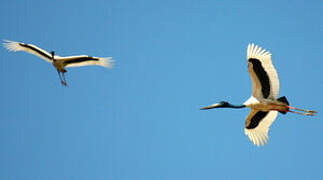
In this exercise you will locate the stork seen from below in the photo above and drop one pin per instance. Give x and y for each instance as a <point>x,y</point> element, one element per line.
<point>264,103</point>
<point>59,62</point>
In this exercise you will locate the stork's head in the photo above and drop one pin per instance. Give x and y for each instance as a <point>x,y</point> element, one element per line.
<point>221,104</point>
<point>52,53</point>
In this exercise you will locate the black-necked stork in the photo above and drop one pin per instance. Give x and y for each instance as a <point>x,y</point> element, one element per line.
<point>263,102</point>
<point>59,62</point>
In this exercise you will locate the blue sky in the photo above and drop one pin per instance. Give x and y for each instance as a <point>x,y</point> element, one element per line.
<point>141,119</point>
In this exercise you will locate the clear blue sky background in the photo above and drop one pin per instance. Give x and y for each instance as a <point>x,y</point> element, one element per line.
<point>141,119</point>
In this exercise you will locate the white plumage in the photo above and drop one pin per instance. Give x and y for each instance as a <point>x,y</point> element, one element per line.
<point>29,48</point>
<point>263,102</point>
<point>259,134</point>
<point>59,62</point>
<point>264,57</point>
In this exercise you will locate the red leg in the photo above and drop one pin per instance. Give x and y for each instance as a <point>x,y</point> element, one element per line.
<point>304,110</point>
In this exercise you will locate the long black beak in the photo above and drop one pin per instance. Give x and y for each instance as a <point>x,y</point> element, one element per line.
<point>209,107</point>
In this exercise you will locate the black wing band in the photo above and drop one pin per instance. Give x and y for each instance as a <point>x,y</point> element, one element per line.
<point>262,76</point>
<point>81,59</point>
<point>256,119</point>
<point>36,50</point>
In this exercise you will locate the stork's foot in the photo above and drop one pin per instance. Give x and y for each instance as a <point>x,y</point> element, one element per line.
<point>302,113</point>
<point>310,114</point>
<point>64,83</point>
<point>310,111</point>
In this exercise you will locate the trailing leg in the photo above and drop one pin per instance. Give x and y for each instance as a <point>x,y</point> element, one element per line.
<point>64,81</point>
<point>304,110</point>
<point>303,113</point>
<point>60,78</point>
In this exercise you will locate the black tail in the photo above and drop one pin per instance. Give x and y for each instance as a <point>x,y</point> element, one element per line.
<point>284,100</point>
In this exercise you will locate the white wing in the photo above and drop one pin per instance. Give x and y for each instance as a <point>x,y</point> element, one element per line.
<point>257,125</point>
<point>264,79</point>
<point>84,60</point>
<point>32,49</point>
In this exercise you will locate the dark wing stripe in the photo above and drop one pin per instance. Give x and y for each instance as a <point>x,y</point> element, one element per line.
<point>256,119</point>
<point>81,59</point>
<point>36,50</point>
<point>262,76</point>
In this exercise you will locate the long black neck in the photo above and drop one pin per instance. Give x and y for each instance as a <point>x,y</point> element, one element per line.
<point>236,106</point>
